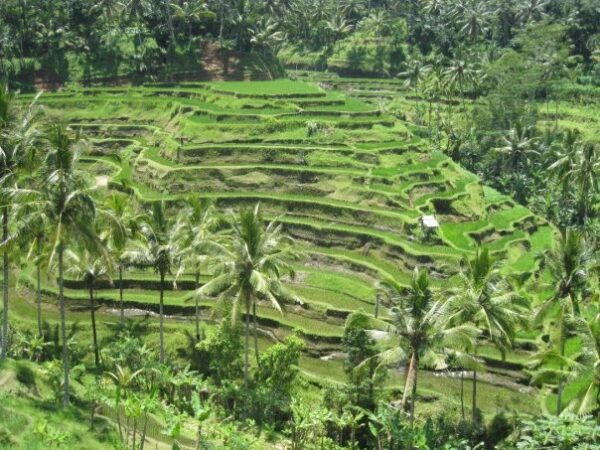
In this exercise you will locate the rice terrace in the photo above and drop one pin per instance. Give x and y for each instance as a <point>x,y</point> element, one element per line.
<point>300,225</point>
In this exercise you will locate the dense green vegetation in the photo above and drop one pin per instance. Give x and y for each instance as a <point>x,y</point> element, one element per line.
<point>217,224</point>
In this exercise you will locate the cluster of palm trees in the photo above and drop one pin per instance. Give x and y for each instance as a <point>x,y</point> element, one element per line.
<point>81,231</point>
<point>444,328</point>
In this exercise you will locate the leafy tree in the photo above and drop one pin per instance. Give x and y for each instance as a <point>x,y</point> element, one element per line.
<point>275,378</point>
<point>358,347</point>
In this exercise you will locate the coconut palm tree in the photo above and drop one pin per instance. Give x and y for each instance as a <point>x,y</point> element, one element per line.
<point>570,265</point>
<point>483,297</point>
<point>123,220</point>
<point>90,269</point>
<point>66,203</point>
<point>415,74</point>
<point>424,328</point>
<point>29,231</point>
<point>518,146</point>
<point>460,73</point>
<point>156,250</point>
<point>17,137</point>
<point>586,174</point>
<point>196,238</point>
<point>252,268</point>
<point>473,17</point>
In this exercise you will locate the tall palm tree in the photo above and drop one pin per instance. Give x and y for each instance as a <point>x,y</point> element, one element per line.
<point>65,200</point>
<point>570,265</point>
<point>422,323</point>
<point>32,230</point>
<point>158,251</point>
<point>17,137</point>
<point>195,235</point>
<point>252,268</point>
<point>484,297</point>
<point>90,269</point>
<point>123,221</point>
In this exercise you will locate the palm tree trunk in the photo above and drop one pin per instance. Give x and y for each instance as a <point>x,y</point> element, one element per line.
<point>414,398</point>
<point>134,431</point>
<point>462,394</point>
<point>247,341</point>
<point>161,318</point>
<point>411,378</point>
<point>143,438</point>
<point>562,354</point>
<point>255,334</point>
<point>63,322</point>
<point>39,286</point>
<point>474,407</point>
<point>5,284</point>
<point>197,312</point>
<point>94,335</point>
<point>121,305</point>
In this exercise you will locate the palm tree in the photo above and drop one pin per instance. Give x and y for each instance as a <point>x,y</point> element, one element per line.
<point>587,368</point>
<point>70,210</point>
<point>30,230</point>
<point>90,269</point>
<point>518,146</point>
<point>564,158</point>
<point>194,233</point>
<point>123,378</point>
<point>17,138</point>
<point>531,10</point>
<point>422,322</point>
<point>252,269</point>
<point>414,74</point>
<point>460,73</point>
<point>483,296</point>
<point>265,36</point>
<point>157,251</point>
<point>570,266</point>
<point>124,222</point>
<point>337,27</point>
<point>586,174</point>
<point>473,17</point>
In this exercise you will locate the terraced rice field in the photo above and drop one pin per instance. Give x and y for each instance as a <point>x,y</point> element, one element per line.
<point>347,180</point>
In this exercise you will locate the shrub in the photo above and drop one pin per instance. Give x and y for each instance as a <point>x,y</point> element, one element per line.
<point>25,374</point>
<point>566,432</point>
<point>312,128</point>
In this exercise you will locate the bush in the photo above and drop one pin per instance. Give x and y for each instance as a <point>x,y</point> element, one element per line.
<point>25,375</point>
<point>566,432</point>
